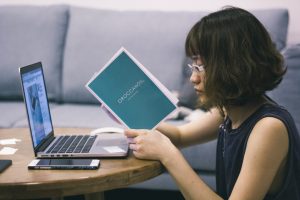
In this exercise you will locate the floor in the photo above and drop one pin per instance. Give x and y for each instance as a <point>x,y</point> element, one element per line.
<point>136,194</point>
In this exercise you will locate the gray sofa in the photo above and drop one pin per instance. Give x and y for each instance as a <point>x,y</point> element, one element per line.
<point>74,42</point>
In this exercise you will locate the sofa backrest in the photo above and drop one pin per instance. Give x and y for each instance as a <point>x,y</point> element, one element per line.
<point>155,38</point>
<point>29,34</point>
<point>276,21</point>
<point>287,93</point>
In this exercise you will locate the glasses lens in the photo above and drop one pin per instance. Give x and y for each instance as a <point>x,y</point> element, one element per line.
<point>195,68</point>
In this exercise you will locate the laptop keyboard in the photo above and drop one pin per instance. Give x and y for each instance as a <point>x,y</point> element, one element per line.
<point>73,144</point>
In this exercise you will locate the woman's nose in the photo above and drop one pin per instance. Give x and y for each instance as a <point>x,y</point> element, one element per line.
<point>195,78</point>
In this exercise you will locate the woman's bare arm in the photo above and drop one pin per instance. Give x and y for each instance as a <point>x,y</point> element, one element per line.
<point>201,130</point>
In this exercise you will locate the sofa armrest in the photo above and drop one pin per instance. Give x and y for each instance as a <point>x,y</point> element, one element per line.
<point>291,54</point>
<point>287,93</point>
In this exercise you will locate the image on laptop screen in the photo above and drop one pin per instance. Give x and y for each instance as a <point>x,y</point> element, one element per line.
<point>37,105</point>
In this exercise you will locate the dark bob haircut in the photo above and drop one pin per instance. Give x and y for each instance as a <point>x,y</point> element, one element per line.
<point>241,62</point>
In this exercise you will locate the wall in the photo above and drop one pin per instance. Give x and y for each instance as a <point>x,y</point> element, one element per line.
<point>291,5</point>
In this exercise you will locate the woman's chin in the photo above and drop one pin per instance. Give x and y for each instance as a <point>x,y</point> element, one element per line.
<point>201,95</point>
<point>202,98</point>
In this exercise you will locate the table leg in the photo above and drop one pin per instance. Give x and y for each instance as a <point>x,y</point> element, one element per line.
<point>94,196</point>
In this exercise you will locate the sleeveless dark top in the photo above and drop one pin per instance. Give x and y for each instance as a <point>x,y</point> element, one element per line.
<point>232,145</point>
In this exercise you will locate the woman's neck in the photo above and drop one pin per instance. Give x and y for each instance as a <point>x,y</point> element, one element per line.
<point>238,114</point>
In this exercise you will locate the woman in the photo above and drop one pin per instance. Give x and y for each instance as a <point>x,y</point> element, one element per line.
<point>234,63</point>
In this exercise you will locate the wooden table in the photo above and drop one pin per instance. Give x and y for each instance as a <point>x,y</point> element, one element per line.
<point>17,182</point>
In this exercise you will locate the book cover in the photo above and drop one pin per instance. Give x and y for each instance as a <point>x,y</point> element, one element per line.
<point>131,93</point>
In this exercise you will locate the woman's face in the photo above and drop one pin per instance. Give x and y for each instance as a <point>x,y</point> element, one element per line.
<point>198,77</point>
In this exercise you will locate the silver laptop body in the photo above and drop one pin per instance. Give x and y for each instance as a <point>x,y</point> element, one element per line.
<point>45,143</point>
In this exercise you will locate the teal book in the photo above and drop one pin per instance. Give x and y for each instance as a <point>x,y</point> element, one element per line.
<point>131,93</point>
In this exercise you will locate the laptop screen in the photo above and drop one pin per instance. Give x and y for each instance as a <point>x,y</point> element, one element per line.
<point>36,104</point>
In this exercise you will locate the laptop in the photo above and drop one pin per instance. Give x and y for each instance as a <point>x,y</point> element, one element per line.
<point>45,143</point>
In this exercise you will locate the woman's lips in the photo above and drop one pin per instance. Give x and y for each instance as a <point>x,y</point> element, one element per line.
<point>198,91</point>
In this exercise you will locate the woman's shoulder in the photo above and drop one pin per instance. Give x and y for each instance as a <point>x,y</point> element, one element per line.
<point>274,110</point>
<point>270,126</point>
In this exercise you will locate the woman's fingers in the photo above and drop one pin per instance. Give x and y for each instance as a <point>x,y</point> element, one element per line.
<point>134,133</point>
<point>133,136</point>
<point>147,146</point>
<point>132,147</point>
<point>137,151</point>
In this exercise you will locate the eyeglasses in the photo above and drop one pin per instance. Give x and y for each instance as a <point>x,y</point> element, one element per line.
<point>196,68</point>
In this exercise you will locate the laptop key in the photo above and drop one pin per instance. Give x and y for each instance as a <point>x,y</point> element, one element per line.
<point>81,144</point>
<point>67,144</point>
<point>74,144</point>
<point>89,144</point>
<point>60,144</point>
<point>53,145</point>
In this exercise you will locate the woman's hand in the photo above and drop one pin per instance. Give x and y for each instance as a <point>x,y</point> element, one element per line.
<point>152,145</point>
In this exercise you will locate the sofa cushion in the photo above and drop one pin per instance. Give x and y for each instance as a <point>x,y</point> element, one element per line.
<point>15,113</point>
<point>287,93</point>
<point>11,113</point>
<point>274,20</point>
<point>77,115</point>
<point>202,156</point>
<point>29,34</point>
<point>156,39</point>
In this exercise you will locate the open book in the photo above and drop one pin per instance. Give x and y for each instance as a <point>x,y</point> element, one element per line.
<point>131,93</point>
